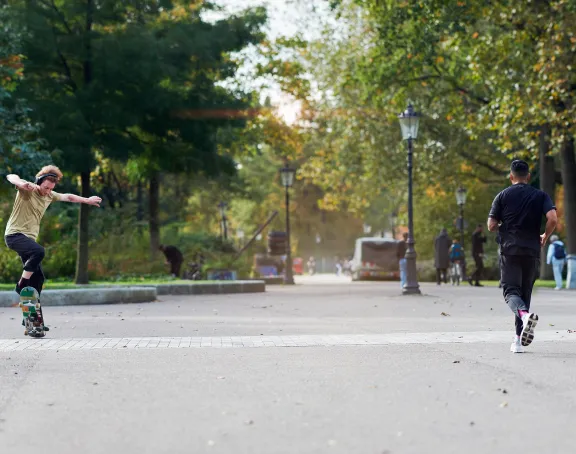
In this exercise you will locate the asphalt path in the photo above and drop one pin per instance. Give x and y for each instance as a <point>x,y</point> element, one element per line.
<point>324,366</point>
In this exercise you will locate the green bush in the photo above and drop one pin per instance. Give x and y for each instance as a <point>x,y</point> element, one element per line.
<point>10,265</point>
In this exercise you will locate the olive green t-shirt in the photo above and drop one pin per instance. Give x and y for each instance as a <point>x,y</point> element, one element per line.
<point>29,208</point>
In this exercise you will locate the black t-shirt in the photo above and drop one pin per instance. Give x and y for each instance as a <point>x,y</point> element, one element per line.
<point>520,208</point>
<point>478,241</point>
<point>401,251</point>
<point>173,254</point>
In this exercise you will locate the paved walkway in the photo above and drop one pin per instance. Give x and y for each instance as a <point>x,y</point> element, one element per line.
<point>491,337</point>
<point>327,366</point>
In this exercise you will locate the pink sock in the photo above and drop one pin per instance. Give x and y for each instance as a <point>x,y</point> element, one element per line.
<point>522,313</point>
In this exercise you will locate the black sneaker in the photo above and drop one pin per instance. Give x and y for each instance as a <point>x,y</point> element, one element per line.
<point>21,284</point>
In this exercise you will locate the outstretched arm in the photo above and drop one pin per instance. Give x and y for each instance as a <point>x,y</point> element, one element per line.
<point>20,183</point>
<point>94,200</point>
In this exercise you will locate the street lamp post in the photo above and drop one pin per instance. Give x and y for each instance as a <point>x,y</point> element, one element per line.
<point>461,201</point>
<point>409,121</point>
<point>287,181</point>
<point>223,226</point>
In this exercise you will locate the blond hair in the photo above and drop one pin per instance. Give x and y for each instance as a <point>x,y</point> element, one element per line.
<point>50,169</point>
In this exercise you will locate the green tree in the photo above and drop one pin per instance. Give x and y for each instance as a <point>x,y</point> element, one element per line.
<point>21,149</point>
<point>134,79</point>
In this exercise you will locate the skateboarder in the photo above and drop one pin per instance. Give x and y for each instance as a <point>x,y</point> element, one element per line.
<point>32,200</point>
<point>517,215</point>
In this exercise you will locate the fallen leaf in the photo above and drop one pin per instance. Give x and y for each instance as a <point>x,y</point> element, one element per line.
<point>455,362</point>
<point>445,314</point>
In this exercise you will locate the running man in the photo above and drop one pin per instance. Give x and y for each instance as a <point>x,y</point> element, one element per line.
<point>32,200</point>
<point>517,214</point>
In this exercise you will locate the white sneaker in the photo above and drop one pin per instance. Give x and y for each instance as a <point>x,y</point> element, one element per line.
<point>516,346</point>
<point>529,321</point>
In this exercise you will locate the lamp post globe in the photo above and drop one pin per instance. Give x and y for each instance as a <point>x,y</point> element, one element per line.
<point>287,173</point>
<point>409,122</point>
<point>461,195</point>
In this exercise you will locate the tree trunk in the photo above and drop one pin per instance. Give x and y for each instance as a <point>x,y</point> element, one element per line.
<point>548,185</point>
<point>139,205</point>
<point>83,236</point>
<point>569,179</point>
<point>154,224</point>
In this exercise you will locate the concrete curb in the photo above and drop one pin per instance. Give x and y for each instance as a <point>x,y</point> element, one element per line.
<point>79,297</point>
<point>212,288</point>
<point>99,294</point>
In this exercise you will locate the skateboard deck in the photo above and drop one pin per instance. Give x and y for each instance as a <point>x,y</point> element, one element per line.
<point>32,312</point>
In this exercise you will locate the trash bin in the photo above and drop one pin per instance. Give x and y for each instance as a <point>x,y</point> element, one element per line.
<point>571,274</point>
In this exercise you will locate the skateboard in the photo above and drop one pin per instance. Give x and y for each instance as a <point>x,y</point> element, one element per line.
<point>32,312</point>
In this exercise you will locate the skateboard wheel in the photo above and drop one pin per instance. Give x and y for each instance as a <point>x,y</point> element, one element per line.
<point>26,333</point>
<point>20,304</point>
<point>37,305</point>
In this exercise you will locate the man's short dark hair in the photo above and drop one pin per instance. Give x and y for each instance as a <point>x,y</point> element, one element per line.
<point>519,168</point>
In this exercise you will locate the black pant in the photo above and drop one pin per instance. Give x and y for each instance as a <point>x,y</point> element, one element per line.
<point>477,275</point>
<point>519,272</point>
<point>175,268</point>
<point>441,275</point>
<point>31,254</point>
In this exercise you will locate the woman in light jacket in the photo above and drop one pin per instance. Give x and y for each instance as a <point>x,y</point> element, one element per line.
<point>557,258</point>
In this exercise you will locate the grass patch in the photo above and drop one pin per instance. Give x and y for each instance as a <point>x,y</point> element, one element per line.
<point>539,283</point>
<point>135,282</point>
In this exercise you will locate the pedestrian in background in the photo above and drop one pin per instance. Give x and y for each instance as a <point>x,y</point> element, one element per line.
<point>557,258</point>
<point>174,258</point>
<point>442,256</point>
<point>401,255</point>
<point>478,240</point>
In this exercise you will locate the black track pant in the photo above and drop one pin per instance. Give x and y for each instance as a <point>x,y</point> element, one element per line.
<point>441,275</point>
<point>519,272</point>
<point>31,254</point>
<point>175,268</point>
<point>477,275</point>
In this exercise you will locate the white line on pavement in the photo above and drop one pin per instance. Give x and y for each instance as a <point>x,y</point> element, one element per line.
<point>328,340</point>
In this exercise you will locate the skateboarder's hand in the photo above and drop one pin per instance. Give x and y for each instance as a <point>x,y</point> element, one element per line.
<point>94,200</point>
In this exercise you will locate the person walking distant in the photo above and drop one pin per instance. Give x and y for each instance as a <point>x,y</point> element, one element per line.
<point>478,240</point>
<point>174,258</point>
<point>516,214</point>
<point>442,256</point>
<point>401,256</point>
<point>557,258</point>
